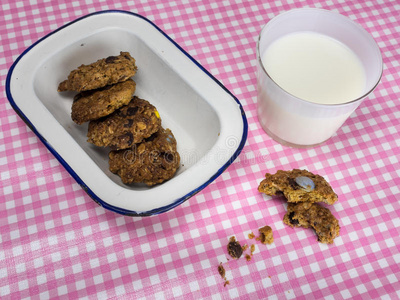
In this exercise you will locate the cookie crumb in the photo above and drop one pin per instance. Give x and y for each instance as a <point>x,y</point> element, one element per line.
<point>266,236</point>
<point>248,257</point>
<point>221,271</point>
<point>234,248</point>
<point>252,249</point>
<point>251,235</point>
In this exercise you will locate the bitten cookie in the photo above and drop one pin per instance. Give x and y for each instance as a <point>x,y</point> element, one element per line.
<point>106,71</point>
<point>298,186</point>
<point>153,161</point>
<point>315,216</point>
<point>95,104</point>
<point>126,126</point>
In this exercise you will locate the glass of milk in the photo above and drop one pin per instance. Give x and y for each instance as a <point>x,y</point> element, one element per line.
<point>314,67</point>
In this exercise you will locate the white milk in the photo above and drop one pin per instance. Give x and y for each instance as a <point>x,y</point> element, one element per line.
<point>315,67</point>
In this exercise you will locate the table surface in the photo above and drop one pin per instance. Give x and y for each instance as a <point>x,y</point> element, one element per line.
<point>55,241</point>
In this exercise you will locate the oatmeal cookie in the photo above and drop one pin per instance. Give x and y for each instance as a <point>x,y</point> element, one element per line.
<point>298,186</point>
<point>153,161</point>
<point>106,71</point>
<point>126,126</point>
<point>315,216</point>
<point>95,104</point>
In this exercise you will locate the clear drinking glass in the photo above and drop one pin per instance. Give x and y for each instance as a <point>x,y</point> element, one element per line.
<point>296,122</point>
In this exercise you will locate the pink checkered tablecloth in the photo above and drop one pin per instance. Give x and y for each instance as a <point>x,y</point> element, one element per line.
<point>55,242</point>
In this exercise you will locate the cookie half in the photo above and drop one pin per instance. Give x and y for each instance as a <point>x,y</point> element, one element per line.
<point>106,71</point>
<point>153,161</point>
<point>126,126</point>
<point>298,186</point>
<point>95,104</point>
<point>313,215</point>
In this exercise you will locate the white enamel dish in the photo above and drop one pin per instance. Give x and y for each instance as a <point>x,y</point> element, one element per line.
<point>208,122</point>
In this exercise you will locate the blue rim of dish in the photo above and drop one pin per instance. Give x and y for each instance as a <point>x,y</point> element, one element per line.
<point>72,172</point>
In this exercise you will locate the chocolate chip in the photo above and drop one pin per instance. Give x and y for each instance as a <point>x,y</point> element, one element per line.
<point>111,59</point>
<point>293,221</point>
<point>129,123</point>
<point>168,157</point>
<point>120,113</point>
<point>128,137</point>
<point>151,138</point>
<point>132,110</point>
<point>221,270</point>
<point>234,249</point>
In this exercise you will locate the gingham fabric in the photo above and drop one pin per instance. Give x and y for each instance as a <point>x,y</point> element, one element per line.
<point>55,242</point>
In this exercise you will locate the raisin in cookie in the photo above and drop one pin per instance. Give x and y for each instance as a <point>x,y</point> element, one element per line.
<point>153,161</point>
<point>106,71</point>
<point>126,126</point>
<point>298,186</point>
<point>95,104</point>
<point>315,216</point>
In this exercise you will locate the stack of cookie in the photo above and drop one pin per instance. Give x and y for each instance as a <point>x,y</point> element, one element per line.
<point>142,150</point>
<point>303,190</point>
